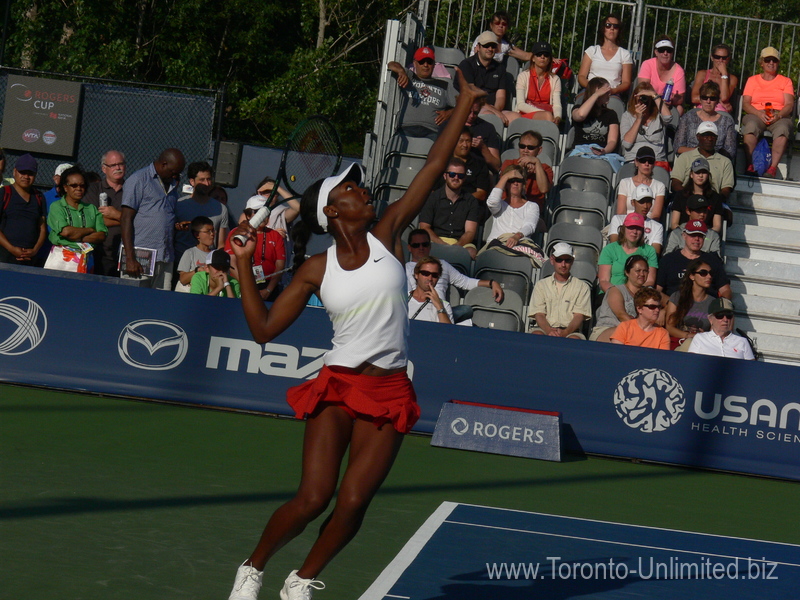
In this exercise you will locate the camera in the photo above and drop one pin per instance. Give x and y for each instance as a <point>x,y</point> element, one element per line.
<point>646,100</point>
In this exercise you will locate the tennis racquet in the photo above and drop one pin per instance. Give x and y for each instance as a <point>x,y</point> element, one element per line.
<point>312,152</point>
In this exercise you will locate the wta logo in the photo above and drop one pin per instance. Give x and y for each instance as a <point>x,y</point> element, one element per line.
<point>23,325</point>
<point>649,400</point>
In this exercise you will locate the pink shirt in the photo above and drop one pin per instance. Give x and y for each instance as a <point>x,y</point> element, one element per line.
<point>649,70</point>
<point>761,91</point>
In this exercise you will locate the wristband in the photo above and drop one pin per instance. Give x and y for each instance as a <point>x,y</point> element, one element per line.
<point>441,311</point>
<point>724,77</point>
<point>226,284</point>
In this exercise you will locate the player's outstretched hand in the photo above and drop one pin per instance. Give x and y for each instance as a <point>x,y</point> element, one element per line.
<point>249,247</point>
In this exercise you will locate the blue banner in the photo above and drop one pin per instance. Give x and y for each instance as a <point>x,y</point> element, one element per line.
<point>85,334</point>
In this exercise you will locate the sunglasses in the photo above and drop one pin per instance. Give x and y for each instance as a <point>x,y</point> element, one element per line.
<point>771,59</point>
<point>516,180</point>
<point>420,245</point>
<point>75,185</point>
<point>528,147</point>
<point>718,57</point>
<point>646,161</point>
<point>542,55</point>
<point>490,45</point>
<point>721,316</point>
<point>652,306</point>
<point>665,50</point>
<point>712,98</point>
<point>564,259</point>
<point>455,175</point>
<point>613,25</point>
<point>429,274</point>
<point>426,61</point>
<point>703,272</point>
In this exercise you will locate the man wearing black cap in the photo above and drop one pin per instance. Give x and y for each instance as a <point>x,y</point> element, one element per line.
<point>672,266</point>
<point>697,207</point>
<point>721,341</point>
<point>216,280</point>
<point>427,101</point>
<point>720,166</point>
<point>23,229</point>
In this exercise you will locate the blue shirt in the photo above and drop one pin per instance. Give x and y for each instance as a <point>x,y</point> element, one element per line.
<point>154,223</point>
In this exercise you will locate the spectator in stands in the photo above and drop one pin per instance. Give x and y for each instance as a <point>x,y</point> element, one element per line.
<point>194,259</point>
<point>721,341</point>
<point>22,216</point>
<point>700,183</point>
<point>424,302</point>
<point>450,215</point>
<point>611,264</point>
<point>687,309</point>
<point>718,74</point>
<point>673,265</point>
<point>219,194</point>
<point>56,192</point>
<point>617,305</point>
<point>216,279</point>
<point>499,24</point>
<point>285,208</point>
<point>643,331</point>
<point>644,162</point>
<point>539,174</point>
<point>419,247</point>
<point>769,87</point>
<point>720,167</point>
<point>148,216</point>
<point>489,75</point>
<point>477,181</point>
<point>596,126</point>
<point>642,202</point>
<point>485,139</point>
<point>113,166</point>
<point>608,59</point>
<point>515,218</point>
<point>201,178</point>
<point>72,221</point>
<point>560,304</point>
<point>269,256</point>
<point>427,101</point>
<point>645,124</point>
<point>538,89</point>
<point>686,136</point>
<point>663,68</point>
<point>697,209</point>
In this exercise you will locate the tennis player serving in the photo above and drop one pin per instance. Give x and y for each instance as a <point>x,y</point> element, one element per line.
<point>362,397</point>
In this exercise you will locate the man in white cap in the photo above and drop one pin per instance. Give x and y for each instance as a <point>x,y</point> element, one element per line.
<point>487,74</point>
<point>642,202</point>
<point>721,341</point>
<point>720,166</point>
<point>767,87</point>
<point>560,304</point>
<point>270,253</point>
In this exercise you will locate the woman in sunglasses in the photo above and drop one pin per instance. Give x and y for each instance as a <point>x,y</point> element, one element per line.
<point>686,136</point>
<point>514,217</point>
<point>662,68</point>
<point>645,124</point>
<point>687,309</point>
<point>538,89</point>
<point>644,161</point>
<point>768,100</point>
<point>719,74</point>
<point>607,59</point>
<point>643,331</point>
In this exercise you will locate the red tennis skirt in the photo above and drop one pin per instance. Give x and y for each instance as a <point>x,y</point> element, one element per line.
<point>381,400</point>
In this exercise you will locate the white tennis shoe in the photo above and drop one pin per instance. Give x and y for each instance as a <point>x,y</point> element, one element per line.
<point>297,588</point>
<point>247,583</point>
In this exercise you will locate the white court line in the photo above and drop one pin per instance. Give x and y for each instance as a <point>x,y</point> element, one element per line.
<point>380,588</point>
<point>725,537</point>
<point>585,539</point>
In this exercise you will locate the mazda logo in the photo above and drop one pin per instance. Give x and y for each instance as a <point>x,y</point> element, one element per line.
<point>23,325</point>
<point>153,345</point>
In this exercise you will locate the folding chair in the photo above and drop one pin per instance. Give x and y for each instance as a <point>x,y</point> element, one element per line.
<point>456,255</point>
<point>586,241</point>
<point>486,313</point>
<point>586,174</point>
<point>511,272</point>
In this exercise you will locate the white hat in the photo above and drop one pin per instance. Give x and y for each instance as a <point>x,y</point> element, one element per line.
<point>664,44</point>
<point>707,127</point>
<point>61,168</point>
<point>643,191</point>
<point>353,172</point>
<point>255,202</point>
<point>562,249</point>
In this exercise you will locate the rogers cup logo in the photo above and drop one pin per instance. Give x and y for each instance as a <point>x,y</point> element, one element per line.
<point>153,345</point>
<point>459,426</point>
<point>649,400</point>
<point>28,325</point>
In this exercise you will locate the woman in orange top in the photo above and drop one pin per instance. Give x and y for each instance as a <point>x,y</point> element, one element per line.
<point>643,331</point>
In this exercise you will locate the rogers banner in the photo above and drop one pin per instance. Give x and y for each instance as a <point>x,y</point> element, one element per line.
<point>74,331</point>
<point>41,115</point>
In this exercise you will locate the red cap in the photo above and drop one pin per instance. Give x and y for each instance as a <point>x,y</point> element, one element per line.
<point>696,227</point>
<point>424,52</point>
<point>634,220</point>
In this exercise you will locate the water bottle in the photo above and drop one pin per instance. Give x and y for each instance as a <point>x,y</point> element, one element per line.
<point>103,199</point>
<point>768,110</point>
<point>667,95</point>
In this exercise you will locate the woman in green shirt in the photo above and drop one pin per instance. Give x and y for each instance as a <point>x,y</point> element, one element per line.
<point>611,264</point>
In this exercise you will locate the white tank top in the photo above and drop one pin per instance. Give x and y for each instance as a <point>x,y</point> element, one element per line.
<point>368,310</point>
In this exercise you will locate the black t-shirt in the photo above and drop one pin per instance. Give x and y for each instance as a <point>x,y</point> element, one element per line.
<point>594,130</point>
<point>489,78</point>
<point>20,221</point>
<point>714,201</point>
<point>673,266</point>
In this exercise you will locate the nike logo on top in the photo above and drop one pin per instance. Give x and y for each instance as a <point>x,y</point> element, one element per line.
<point>377,259</point>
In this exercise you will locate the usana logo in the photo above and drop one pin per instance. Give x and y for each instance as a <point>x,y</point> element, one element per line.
<point>649,400</point>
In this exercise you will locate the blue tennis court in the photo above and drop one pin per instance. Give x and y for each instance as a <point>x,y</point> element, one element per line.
<point>469,552</point>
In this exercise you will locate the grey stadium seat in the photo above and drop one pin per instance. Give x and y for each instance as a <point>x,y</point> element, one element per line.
<point>508,315</point>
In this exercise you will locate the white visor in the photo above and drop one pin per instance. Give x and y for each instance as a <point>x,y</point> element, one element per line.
<point>352,172</point>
